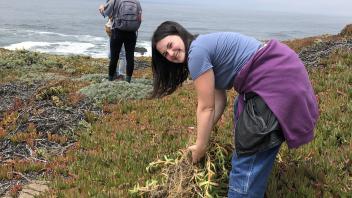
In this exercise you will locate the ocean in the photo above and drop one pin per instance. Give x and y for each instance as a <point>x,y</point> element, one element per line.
<point>75,27</point>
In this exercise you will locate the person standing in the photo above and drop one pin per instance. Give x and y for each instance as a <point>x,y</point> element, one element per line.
<point>121,70</point>
<point>126,17</point>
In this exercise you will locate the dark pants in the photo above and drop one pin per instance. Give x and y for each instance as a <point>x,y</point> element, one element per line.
<point>129,40</point>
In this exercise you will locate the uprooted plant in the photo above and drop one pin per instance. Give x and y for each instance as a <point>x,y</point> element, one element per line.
<point>178,177</point>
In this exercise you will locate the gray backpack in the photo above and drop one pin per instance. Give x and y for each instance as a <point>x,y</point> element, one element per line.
<point>128,18</point>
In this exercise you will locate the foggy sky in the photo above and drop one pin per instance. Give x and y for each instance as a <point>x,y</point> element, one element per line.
<point>323,7</point>
<point>326,7</point>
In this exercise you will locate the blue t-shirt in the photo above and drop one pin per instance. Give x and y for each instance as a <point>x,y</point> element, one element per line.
<point>224,52</point>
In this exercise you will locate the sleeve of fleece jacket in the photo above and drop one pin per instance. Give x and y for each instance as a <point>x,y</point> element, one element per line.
<point>108,11</point>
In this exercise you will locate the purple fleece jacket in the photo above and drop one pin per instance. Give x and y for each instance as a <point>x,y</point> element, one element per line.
<point>277,75</point>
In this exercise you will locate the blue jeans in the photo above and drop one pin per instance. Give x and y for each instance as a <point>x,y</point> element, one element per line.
<point>250,173</point>
<point>122,60</point>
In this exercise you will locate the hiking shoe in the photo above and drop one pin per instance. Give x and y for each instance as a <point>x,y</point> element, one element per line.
<point>128,79</point>
<point>112,78</point>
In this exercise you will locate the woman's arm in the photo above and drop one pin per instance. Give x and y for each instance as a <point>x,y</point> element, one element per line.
<point>207,115</point>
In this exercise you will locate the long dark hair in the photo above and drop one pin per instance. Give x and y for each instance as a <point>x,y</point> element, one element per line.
<point>168,75</point>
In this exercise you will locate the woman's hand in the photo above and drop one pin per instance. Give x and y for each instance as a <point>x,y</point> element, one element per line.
<point>198,152</point>
<point>101,8</point>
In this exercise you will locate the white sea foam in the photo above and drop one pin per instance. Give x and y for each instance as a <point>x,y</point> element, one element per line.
<point>66,44</point>
<point>76,48</point>
<point>26,45</point>
<point>99,55</point>
<point>90,38</point>
<point>55,47</point>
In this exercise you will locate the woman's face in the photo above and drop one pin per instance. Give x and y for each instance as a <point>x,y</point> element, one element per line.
<point>172,48</point>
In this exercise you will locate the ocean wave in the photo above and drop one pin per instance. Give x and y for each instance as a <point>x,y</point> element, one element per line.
<point>99,41</point>
<point>74,48</point>
<point>83,38</point>
<point>69,44</point>
<point>55,47</point>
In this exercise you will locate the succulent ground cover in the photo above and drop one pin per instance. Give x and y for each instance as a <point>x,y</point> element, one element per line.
<point>61,121</point>
<point>46,101</point>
